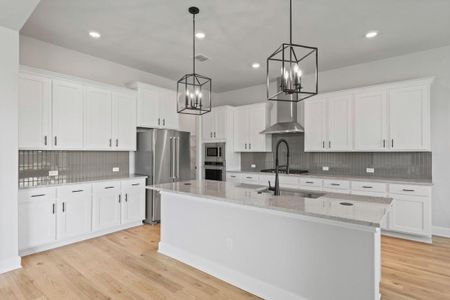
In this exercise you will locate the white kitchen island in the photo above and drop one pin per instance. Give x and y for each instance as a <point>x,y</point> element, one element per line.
<point>284,247</point>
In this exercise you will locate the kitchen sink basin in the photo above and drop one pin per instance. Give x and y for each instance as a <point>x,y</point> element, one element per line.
<point>294,193</point>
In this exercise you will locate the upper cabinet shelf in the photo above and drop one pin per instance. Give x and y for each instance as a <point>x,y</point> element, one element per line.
<point>390,117</point>
<point>57,113</point>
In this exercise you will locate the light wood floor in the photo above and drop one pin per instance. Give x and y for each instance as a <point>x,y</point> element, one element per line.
<point>125,265</point>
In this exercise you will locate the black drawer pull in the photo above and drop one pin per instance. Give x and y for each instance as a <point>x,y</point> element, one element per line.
<point>108,187</point>
<point>38,195</point>
<point>367,186</point>
<point>249,177</point>
<point>407,190</point>
<point>77,191</point>
<point>335,184</point>
<point>232,176</point>
<point>135,184</point>
<point>310,182</point>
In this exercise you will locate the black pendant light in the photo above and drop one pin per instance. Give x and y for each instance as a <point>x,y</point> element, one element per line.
<point>194,90</point>
<point>294,61</point>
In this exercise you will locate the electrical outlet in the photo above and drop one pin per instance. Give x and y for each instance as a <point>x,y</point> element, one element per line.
<point>229,243</point>
<point>53,173</point>
<point>325,168</point>
<point>253,166</point>
<point>116,169</point>
<point>370,170</point>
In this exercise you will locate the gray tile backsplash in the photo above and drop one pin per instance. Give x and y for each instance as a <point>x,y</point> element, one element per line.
<point>406,165</point>
<point>72,166</point>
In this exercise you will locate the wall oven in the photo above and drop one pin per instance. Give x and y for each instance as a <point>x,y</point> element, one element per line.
<point>214,162</point>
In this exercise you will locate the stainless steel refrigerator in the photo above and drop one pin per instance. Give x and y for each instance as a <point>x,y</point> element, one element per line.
<point>164,156</point>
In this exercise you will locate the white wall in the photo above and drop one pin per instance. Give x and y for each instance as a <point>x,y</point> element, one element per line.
<point>9,62</point>
<point>434,62</point>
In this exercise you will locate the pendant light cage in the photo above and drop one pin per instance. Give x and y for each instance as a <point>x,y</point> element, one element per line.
<point>292,71</point>
<point>194,90</point>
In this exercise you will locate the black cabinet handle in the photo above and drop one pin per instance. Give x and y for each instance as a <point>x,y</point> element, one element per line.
<point>367,187</point>
<point>117,142</point>
<point>335,184</point>
<point>310,182</point>
<point>108,187</point>
<point>384,143</point>
<point>38,195</point>
<point>64,207</point>
<point>77,191</point>
<point>323,144</point>
<point>110,142</point>
<point>120,198</point>
<point>249,177</point>
<point>392,143</point>
<point>56,141</point>
<point>45,140</point>
<point>135,184</point>
<point>53,208</point>
<point>126,197</point>
<point>408,190</point>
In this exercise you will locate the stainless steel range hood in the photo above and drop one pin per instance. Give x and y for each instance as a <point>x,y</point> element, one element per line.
<point>286,119</point>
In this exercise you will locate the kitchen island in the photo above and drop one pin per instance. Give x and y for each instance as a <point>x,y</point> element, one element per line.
<point>299,245</point>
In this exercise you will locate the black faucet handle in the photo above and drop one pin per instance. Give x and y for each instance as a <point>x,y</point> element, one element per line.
<point>270,187</point>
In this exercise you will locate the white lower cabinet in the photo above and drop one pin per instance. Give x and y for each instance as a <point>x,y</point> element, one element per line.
<point>55,216</point>
<point>37,217</point>
<point>74,210</point>
<point>234,177</point>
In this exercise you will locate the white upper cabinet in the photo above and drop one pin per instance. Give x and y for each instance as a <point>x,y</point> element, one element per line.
<point>339,125</point>
<point>124,121</point>
<point>156,107</point>
<point>388,117</point>
<point>249,121</point>
<point>409,118</point>
<point>214,124</point>
<point>98,119</point>
<point>67,115</point>
<point>370,121</point>
<point>35,100</point>
<point>315,117</point>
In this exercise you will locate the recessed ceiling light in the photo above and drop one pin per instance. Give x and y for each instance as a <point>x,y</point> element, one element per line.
<point>95,34</point>
<point>200,35</point>
<point>371,34</point>
<point>255,65</point>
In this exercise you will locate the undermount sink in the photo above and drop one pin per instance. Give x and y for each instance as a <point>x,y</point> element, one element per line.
<point>295,193</point>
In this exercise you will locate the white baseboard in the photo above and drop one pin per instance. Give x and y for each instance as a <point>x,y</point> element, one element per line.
<point>25,252</point>
<point>10,264</point>
<point>411,237</point>
<point>441,231</point>
<point>240,280</point>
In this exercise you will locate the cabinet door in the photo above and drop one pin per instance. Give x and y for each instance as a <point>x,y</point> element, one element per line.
<point>124,122</point>
<point>168,109</point>
<point>339,123</point>
<point>410,214</point>
<point>98,119</point>
<point>208,122</point>
<point>409,114</point>
<point>148,106</point>
<point>315,115</point>
<point>258,142</point>
<point>37,219</point>
<point>370,121</point>
<point>133,206</point>
<point>34,112</point>
<point>67,115</point>
<point>241,130</point>
<point>74,210</point>
<point>106,205</point>
<point>220,123</point>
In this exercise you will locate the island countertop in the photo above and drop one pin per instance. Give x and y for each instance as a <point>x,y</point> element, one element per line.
<point>354,209</point>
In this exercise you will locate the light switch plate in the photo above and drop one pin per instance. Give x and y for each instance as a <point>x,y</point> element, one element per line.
<point>370,170</point>
<point>253,166</point>
<point>53,173</point>
<point>116,169</point>
<point>325,168</point>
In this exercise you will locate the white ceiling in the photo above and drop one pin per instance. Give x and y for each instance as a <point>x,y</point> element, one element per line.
<point>155,35</point>
<point>13,14</point>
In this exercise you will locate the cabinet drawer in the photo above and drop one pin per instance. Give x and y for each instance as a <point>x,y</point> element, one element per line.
<point>336,184</point>
<point>133,183</point>
<point>101,186</point>
<point>366,186</point>
<point>68,190</point>
<point>234,176</point>
<point>412,190</point>
<point>289,181</point>
<point>311,182</point>
<point>37,193</point>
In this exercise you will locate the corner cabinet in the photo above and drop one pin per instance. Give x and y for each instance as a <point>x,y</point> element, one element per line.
<point>156,107</point>
<point>249,121</point>
<point>214,124</point>
<point>61,114</point>
<point>388,117</point>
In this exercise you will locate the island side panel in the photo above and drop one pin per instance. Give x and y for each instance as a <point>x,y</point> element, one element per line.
<point>271,254</point>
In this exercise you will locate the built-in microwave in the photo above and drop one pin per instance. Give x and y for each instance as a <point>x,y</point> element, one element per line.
<point>214,151</point>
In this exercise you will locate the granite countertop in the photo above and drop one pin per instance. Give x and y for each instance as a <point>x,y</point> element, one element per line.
<point>363,210</point>
<point>129,177</point>
<point>425,182</point>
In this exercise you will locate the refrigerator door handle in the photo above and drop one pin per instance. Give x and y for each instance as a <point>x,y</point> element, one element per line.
<point>171,157</point>
<point>178,157</point>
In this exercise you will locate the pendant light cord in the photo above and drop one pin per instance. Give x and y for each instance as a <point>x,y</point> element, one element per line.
<point>193,42</point>
<point>290,22</point>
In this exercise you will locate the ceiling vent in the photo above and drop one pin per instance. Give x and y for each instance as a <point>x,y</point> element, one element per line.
<point>201,57</point>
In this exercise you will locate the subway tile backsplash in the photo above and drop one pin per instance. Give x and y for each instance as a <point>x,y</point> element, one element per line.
<point>72,166</point>
<point>405,165</point>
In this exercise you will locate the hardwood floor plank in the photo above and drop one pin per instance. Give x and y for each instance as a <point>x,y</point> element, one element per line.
<point>126,265</point>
